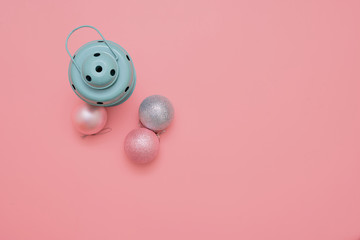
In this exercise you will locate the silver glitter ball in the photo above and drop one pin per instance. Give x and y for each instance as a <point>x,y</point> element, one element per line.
<point>156,113</point>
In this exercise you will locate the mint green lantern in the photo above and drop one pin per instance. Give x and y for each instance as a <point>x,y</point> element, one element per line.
<point>101,72</point>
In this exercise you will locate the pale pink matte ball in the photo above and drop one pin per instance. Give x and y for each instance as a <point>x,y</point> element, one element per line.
<point>141,145</point>
<point>88,119</point>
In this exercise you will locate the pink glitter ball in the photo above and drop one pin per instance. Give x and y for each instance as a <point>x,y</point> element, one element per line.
<point>141,145</point>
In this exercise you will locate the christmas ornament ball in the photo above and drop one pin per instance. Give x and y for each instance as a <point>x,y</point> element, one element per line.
<point>156,113</point>
<point>141,145</point>
<point>88,119</point>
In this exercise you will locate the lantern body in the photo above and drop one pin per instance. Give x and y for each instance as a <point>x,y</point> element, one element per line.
<point>101,74</point>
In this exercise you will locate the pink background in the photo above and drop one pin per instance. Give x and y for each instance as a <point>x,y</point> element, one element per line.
<point>265,142</point>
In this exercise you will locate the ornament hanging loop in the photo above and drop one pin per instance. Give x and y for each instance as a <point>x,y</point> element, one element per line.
<point>103,131</point>
<point>87,26</point>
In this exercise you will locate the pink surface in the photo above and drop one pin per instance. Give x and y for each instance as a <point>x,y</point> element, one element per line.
<point>265,142</point>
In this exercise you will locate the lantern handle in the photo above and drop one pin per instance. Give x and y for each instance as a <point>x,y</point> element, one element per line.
<point>83,26</point>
